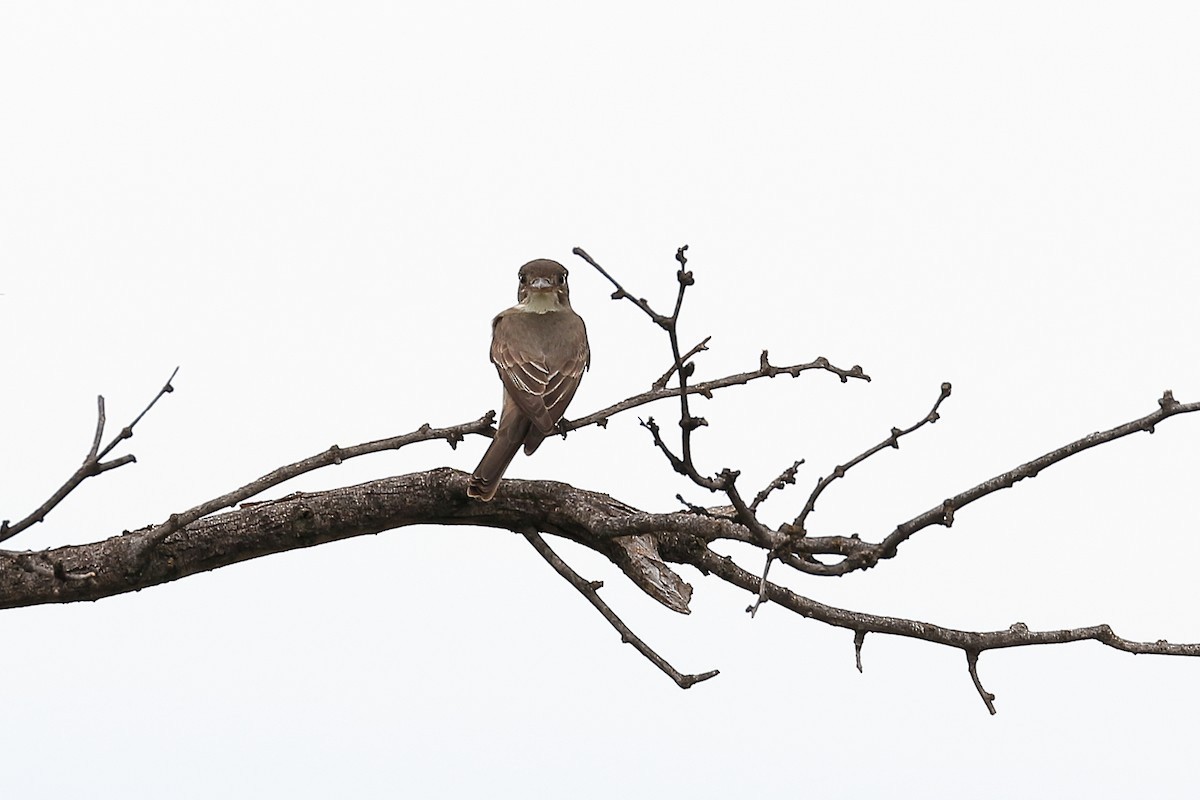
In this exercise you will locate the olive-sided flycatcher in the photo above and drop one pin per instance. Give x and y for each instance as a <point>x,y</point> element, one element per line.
<point>540,349</point>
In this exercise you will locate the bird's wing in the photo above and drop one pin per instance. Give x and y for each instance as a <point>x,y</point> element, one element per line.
<point>541,361</point>
<point>526,375</point>
<point>566,372</point>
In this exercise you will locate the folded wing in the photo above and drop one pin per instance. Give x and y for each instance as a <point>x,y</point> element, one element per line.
<point>541,359</point>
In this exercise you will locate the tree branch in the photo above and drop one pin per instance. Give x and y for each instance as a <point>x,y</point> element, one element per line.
<point>92,463</point>
<point>944,513</point>
<point>589,590</point>
<point>970,642</point>
<point>639,543</point>
<point>661,381</point>
<point>438,497</point>
<point>706,388</point>
<point>334,455</point>
<point>893,441</point>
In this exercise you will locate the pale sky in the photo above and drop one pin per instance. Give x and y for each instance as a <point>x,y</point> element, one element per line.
<point>314,209</point>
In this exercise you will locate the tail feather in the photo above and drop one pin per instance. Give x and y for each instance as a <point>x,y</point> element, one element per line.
<point>486,478</point>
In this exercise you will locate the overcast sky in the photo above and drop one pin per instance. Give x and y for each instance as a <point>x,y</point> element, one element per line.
<point>314,209</point>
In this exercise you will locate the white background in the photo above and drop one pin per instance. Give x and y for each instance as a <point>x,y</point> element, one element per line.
<point>315,209</point>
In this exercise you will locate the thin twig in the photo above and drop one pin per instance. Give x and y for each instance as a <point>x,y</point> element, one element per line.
<point>860,555</point>
<point>973,668</point>
<point>588,590</point>
<point>943,514</point>
<point>620,293</point>
<point>893,441</point>
<point>692,507</point>
<point>785,478</point>
<point>91,466</point>
<point>762,588</point>
<point>707,388</point>
<point>685,464</point>
<point>127,431</point>
<point>99,426</point>
<point>687,423</point>
<point>666,376</point>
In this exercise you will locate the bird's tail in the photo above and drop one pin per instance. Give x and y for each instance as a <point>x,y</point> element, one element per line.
<point>486,478</point>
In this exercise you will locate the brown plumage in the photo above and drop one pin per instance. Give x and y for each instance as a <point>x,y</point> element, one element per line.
<point>540,349</point>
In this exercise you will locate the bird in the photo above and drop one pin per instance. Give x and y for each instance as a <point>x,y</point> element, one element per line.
<point>540,349</point>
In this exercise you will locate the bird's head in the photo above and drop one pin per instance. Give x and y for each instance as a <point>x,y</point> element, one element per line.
<point>543,285</point>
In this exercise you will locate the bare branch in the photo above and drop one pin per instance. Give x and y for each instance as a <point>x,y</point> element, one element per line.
<point>726,480</point>
<point>641,544</point>
<point>861,555</point>
<point>588,590</point>
<point>661,382</point>
<point>334,455</point>
<point>92,464</point>
<point>706,388</point>
<point>93,453</point>
<point>893,440</point>
<point>787,477</point>
<point>114,566</point>
<point>762,587</point>
<point>620,293</point>
<point>943,514</point>
<point>973,668</point>
<point>127,431</point>
<point>116,462</point>
<point>1017,635</point>
<point>687,423</point>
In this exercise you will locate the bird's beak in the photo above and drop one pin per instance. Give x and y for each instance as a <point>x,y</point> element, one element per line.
<point>540,283</point>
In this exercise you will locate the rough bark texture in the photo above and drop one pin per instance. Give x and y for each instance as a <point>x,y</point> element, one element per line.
<point>134,560</point>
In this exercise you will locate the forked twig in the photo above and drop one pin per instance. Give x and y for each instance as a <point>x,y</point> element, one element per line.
<point>726,480</point>
<point>92,464</point>
<point>893,441</point>
<point>796,531</point>
<point>661,382</point>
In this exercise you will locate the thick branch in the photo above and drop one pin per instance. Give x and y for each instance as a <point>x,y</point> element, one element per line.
<point>334,455</point>
<point>438,497</point>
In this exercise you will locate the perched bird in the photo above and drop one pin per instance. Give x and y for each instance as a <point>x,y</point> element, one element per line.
<point>540,349</point>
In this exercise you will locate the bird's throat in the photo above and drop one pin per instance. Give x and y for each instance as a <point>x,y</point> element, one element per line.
<point>541,302</point>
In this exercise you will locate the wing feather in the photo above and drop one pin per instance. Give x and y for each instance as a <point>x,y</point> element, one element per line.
<point>541,361</point>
